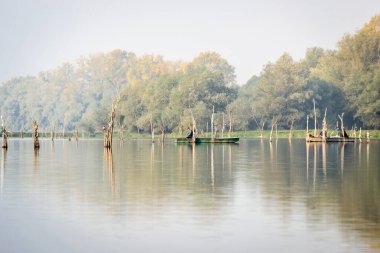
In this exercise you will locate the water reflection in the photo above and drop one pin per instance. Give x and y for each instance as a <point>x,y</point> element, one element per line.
<point>2,168</point>
<point>108,160</point>
<point>35,161</point>
<point>278,192</point>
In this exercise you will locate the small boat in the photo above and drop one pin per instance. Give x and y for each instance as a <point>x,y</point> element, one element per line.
<point>208,140</point>
<point>312,138</point>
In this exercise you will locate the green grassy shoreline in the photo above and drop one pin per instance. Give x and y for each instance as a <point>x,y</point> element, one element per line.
<point>281,134</point>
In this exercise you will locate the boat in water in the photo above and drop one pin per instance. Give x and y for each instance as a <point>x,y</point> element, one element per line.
<point>191,138</point>
<point>208,140</point>
<point>312,138</point>
<point>341,135</point>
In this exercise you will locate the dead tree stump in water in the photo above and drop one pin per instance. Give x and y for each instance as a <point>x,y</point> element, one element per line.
<point>4,134</point>
<point>5,138</point>
<point>108,130</point>
<point>35,135</point>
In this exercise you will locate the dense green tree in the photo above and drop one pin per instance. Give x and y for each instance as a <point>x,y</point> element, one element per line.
<point>167,95</point>
<point>355,69</point>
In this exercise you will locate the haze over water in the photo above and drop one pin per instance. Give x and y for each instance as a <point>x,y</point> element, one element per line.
<point>255,196</point>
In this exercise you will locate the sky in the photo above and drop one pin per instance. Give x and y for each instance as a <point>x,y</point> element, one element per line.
<point>38,35</point>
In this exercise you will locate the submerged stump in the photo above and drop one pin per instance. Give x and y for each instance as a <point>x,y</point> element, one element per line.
<point>35,135</point>
<point>4,134</point>
<point>5,139</point>
<point>108,130</point>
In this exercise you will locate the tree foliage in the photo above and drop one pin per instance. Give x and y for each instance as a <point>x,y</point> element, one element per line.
<point>166,94</point>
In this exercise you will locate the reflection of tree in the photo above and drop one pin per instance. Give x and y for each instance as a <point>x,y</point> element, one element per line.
<point>36,154</point>
<point>110,169</point>
<point>2,168</point>
<point>351,197</point>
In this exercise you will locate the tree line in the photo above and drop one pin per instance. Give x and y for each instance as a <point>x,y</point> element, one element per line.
<point>160,95</point>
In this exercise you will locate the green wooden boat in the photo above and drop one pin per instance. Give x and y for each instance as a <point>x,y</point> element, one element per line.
<point>208,140</point>
<point>330,139</point>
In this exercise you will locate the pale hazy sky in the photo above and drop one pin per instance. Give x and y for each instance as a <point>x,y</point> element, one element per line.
<point>38,35</point>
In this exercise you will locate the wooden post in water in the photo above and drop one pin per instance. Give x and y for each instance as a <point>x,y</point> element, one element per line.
<point>63,130</point>
<point>276,132</point>
<point>274,122</point>
<point>341,125</point>
<point>315,120</point>
<point>212,123</point>
<point>230,116</point>
<point>52,132</point>
<point>360,134</point>
<point>291,128</point>
<point>368,140</point>
<point>151,128</point>
<point>108,130</point>
<point>223,124</point>
<point>324,127</point>
<point>4,135</point>
<point>271,131</point>
<point>307,129</point>
<point>35,135</point>
<point>193,127</point>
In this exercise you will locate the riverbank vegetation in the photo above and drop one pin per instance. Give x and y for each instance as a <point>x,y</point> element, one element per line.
<point>162,96</point>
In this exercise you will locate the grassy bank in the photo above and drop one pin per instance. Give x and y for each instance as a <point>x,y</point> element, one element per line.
<point>374,134</point>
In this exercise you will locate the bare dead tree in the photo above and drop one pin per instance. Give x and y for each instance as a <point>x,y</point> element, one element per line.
<point>273,123</point>
<point>108,130</point>
<point>4,134</point>
<point>230,118</point>
<point>291,127</point>
<point>261,125</point>
<point>35,135</point>
<point>52,132</point>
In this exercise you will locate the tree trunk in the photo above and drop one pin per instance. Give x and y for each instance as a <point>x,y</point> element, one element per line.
<point>262,130</point>
<point>324,127</point>
<point>315,120</point>
<point>5,139</point>
<point>162,134</point>
<point>152,129</point>
<point>52,132</point>
<point>276,132</point>
<point>271,131</point>
<point>230,129</point>
<point>212,123</point>
<point>291,128</point>
<point>223,123</point>
<point>35,135</point>
<point>307,129</point>
<point>180,128</point>
<point>341,124</point>
<point>108,130</point>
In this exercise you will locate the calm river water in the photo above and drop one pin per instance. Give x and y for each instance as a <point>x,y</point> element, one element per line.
<point>254,196</point>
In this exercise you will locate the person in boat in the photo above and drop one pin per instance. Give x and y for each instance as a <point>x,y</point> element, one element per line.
<point>190,134</point>
<point>323,134</point>
<point>345,133</point>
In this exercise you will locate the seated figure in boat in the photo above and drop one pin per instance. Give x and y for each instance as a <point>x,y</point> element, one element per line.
<point>344,134</point>
<point>190,134</point>
<point>323,134</point>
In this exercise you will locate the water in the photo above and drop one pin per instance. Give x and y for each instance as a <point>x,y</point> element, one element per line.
<point>251,197</point>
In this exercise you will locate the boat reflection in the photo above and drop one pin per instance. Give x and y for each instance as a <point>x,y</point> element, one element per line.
<point>35,161</point>
<point>2,168</point>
